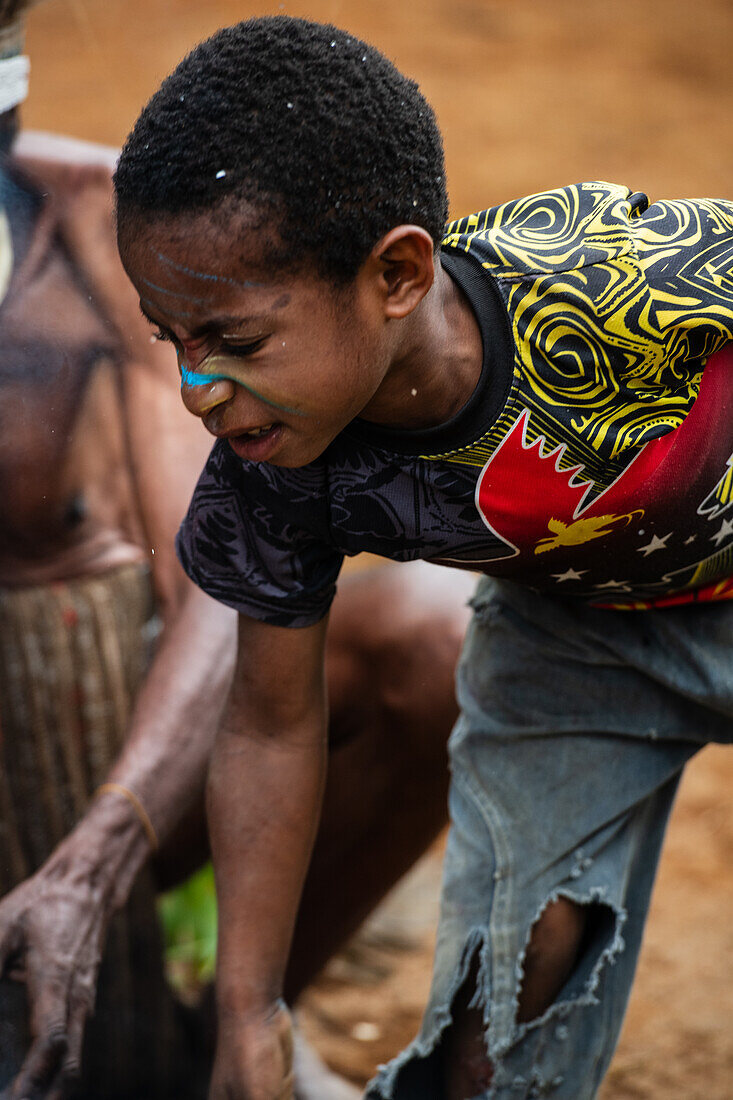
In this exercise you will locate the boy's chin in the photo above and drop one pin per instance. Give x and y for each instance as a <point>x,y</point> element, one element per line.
<point>299,451</point>
<point>293,458</point>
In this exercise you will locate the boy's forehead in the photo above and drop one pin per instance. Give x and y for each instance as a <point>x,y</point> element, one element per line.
<point>195,280</point>
<point>196,247</point>
<point>186,265</point>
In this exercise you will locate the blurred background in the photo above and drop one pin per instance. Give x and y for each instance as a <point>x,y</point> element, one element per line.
<point>529,95</point>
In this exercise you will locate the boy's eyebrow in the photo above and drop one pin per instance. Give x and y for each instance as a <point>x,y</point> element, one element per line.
<point>146,315</point>
<point>215,323</point>
<point>177,313</point>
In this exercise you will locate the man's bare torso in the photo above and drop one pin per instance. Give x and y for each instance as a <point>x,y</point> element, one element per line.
<point>90,422</point>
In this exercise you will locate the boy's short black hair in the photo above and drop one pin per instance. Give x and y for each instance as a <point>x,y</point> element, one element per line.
<point>305,122</point>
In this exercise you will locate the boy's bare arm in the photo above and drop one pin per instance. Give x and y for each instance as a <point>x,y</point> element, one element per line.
<point>265,786</point>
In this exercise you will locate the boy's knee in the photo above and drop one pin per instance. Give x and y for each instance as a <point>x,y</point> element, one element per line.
<point>554,946</point>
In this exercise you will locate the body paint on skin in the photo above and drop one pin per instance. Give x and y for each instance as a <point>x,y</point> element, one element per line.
<point>175,293</point>
<point>205,275</point>
<point>178,313</point>
<point>194,378</point>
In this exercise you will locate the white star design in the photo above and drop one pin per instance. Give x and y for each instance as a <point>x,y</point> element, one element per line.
<point>571,575</point>
<point>613,584</point>
<point>655,544</point>
<point>690,539</point>
<point>726,530</point>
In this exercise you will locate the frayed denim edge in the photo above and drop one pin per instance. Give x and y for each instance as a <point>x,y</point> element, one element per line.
<point>561,1009</point>
<point>477,944</point>
<point>382,1085</point>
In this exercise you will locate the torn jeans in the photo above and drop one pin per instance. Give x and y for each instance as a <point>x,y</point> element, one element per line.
<point>575,726</point>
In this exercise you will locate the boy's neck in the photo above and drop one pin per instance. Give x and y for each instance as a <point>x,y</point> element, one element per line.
<point>438,365</point>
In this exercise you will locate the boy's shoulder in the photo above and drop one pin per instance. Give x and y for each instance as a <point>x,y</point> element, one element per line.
<point>585,225</point>
<point>551,231</point>
<point>614,306</point>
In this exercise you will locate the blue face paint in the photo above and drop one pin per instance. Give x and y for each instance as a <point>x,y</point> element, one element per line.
<point>175,293</point>
<point>193,378</point>
<point>204,275</point>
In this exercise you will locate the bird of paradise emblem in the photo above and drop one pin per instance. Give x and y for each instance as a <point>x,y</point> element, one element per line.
<point>583,530</point>
<point>531,503</point>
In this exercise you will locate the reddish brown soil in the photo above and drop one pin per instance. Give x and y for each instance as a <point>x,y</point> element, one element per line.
<point>529,95</point>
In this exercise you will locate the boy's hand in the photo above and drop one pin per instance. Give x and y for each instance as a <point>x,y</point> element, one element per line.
<point>254,1060</point>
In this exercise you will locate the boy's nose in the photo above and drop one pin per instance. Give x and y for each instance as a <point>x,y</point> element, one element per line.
<point>201,398</point>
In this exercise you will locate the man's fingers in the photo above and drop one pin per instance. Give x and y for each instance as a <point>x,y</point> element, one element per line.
<point>71,1068</point>
<point>11,943</point>
<point>40,1067</point>
<point>65,1084</point>
<point>47,997</point>
<point>68,1077</point>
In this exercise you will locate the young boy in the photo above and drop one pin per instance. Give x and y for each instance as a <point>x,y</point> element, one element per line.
<point>538,398</point>
<point>98,460</point>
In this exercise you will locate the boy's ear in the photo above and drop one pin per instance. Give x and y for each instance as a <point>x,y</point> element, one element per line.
<point>405,261</point>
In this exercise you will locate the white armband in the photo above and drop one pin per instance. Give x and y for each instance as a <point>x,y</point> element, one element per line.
<point>14,73</point>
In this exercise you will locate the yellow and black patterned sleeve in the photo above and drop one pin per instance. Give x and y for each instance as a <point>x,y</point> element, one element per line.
<point>614,305</point>
<point>685,251</point>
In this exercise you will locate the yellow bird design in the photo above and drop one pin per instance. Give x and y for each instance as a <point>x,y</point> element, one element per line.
<point>583,530</point>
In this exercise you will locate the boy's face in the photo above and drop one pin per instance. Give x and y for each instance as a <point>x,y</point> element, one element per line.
<point>277,364</point>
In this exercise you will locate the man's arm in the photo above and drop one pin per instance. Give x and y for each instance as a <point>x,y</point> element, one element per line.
<point>264,795</point>
<point>53,926</point>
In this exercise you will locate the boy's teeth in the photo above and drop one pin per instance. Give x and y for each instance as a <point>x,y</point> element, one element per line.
<point>259,431</point>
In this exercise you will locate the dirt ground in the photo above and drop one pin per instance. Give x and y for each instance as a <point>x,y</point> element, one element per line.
<point>530,94</point>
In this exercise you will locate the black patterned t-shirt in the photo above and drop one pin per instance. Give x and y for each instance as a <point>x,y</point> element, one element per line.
<point>594,459</point>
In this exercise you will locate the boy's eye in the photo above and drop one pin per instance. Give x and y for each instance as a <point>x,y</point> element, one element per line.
<point>160,335</point>
<point>243,350</point>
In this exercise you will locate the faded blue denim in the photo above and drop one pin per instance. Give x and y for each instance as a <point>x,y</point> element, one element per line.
<point>575,726</point>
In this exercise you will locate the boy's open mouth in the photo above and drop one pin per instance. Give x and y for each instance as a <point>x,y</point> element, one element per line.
<point>255,432</point>
<point>257,443</point>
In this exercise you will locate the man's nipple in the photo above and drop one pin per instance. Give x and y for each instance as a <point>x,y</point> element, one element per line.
<point>75,511</point>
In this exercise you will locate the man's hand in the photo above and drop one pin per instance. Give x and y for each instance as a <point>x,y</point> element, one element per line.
<point>254,1060</point>
<point>52,933</point>
<point>53,926</point>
